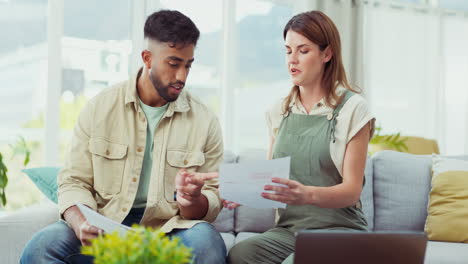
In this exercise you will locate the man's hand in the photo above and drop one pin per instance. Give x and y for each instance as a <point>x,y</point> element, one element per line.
<point>83,230</point>
<point>88,232</point>
<point>189,186</point>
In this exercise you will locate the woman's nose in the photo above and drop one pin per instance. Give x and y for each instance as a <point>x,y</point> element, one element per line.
<point>292,59</point>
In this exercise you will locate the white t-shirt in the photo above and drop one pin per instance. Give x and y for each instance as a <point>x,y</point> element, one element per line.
<point>353,116</point>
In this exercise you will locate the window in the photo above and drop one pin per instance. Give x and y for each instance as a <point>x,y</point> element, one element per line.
<point>95,54</point>
<point>454,4</point>
<point>416,77</point>
<point>412,1</point>
<point>23,75</point>
<point>402,75</point>
<point>204,80</point>
<point>455,63</point>
<point>262,75</point>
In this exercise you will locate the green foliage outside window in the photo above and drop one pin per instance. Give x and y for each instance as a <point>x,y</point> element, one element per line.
<point>69,112</point>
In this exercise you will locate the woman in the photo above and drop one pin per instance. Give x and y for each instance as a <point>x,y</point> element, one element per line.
<point>325,126</point>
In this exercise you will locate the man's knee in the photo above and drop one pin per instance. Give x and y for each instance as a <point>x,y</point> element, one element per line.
<point>51,241</point>
<point>203,238</point>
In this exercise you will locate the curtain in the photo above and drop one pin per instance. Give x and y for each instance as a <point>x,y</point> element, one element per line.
<point>411,62</point>
<point>416,70</point>
<point>455,82</point>
<point>402,66</point>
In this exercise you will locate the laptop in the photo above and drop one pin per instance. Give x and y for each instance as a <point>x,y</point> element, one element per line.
<point>326,247</point>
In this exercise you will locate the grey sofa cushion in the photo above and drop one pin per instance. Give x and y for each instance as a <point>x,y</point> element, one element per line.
<point>401,187</point>
<point>445,253</point>
<point>253,220</point>
<point>244,235</point>
<point>225,221</point>
<point>229,157</point>
<point>229,240</point>
<point>367,195</point>
<point>18,228</point>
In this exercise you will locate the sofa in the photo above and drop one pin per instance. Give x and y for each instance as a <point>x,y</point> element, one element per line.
<point>394,198</point>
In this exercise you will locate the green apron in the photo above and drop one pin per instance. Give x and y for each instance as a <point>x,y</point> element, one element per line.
<point>306,139</point>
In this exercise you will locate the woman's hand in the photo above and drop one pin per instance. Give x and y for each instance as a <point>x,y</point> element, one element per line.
<point>293,192</point>
<point>230,205</point>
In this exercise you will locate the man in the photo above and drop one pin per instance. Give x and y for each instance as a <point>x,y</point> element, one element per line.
<point>143,151</point>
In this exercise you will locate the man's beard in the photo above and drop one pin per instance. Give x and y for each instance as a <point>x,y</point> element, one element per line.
<point>163,90</point>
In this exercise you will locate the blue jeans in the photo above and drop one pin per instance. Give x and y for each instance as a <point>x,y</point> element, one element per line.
<point>57,243</point>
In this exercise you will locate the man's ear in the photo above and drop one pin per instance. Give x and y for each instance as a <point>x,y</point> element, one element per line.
<point>328,54</point>
<point>146,57</point>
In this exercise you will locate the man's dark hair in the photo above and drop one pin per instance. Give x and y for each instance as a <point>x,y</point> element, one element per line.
<point>171,26</point>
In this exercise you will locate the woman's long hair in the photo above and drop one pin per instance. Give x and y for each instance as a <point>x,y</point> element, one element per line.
<point>320,29</point>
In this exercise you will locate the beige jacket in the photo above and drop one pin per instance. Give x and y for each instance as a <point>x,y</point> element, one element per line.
<point>103,167</point>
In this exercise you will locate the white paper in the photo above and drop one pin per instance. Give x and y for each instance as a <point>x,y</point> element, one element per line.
<point>243,183</point>
<point>102,222</point>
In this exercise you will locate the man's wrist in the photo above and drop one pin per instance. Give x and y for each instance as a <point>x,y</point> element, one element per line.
<point>196,210</point>
<point>74,218</point>
<point>195,200</point>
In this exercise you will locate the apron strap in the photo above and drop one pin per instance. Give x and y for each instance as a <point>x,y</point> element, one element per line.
<point>336,111</point>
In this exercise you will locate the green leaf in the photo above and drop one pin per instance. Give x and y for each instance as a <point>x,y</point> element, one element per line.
<point>390,141</point>
<point>27,152</point>
<point>27,158</point>
<point>3,181</point>
<point>387,139</point>
<point>20,147</point>
<point>3,173</point>
<point>143,245</point>
<point>405,148</point>
<point>3,196</point>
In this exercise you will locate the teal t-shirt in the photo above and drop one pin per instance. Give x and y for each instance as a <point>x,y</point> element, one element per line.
<point>153,115</point>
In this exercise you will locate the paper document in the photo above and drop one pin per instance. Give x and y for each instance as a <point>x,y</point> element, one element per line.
<point>100,221</point>
<point>243,182</point>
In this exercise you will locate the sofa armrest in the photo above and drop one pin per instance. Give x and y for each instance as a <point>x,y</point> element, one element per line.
<point>17,228</point>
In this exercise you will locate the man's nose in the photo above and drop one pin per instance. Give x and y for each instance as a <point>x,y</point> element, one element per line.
<point>182,74</point>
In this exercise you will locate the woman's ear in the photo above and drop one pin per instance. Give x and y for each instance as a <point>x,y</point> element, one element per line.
<point>328,54</point>
<point>146,57</point>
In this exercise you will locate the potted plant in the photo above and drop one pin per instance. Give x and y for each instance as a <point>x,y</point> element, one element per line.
<point>140,245</point>
<point>387,142</point>
<point>3,180</point>
<point>20,147</point>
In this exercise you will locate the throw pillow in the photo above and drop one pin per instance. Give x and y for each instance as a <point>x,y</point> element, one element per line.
<point>448,201</point>
<point>45,179</point>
